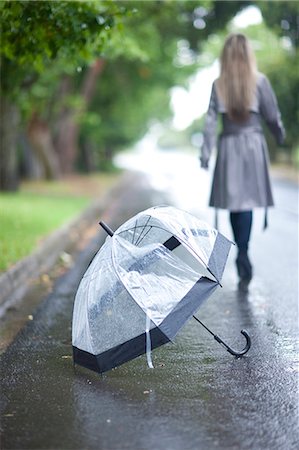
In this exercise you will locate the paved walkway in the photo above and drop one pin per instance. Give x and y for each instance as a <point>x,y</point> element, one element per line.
<point>198,396</point>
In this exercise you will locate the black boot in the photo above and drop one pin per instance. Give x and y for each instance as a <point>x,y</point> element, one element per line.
<point>241,222</point>
<point>244,266</point>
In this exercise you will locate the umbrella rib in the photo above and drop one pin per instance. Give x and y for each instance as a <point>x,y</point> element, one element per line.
<point>135,227</point>
<point>140,240</point>
<point>186,244</point>
<point>192,251</point>
<point>144,227</point>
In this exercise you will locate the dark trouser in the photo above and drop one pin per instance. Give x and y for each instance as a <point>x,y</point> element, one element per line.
<point>241,223</point>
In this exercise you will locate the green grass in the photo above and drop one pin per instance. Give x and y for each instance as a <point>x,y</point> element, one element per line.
<point>28,216</point>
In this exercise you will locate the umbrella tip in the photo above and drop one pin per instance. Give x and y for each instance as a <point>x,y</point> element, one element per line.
<point>106,228</point>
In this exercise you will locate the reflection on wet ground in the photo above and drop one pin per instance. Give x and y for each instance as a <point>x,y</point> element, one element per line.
<point>197,397</point>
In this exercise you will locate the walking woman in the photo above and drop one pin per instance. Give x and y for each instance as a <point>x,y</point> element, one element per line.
<point>243,97</point>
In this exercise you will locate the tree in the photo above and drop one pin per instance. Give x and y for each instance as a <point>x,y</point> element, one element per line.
<point>282,17</point>
<point>277,56</point>
<point>34,36</point>
<point>133,90</point>
<point>42,47</point>
<point>282,66</point>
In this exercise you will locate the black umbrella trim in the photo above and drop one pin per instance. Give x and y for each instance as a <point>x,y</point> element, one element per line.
<point>159,335</point>
<point>120,354</point>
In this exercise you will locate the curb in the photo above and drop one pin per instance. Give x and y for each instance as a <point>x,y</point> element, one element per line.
<point>16,281</point>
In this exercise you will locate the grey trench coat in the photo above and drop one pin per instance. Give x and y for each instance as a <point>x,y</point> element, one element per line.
<point>241,177</point>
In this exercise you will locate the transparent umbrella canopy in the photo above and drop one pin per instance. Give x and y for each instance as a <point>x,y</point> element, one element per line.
<point>150,276</point>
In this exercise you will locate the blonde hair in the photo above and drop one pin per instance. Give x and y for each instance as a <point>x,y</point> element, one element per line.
<point>237,81</point>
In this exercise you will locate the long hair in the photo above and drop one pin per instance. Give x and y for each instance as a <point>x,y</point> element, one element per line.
<point>237,81</point>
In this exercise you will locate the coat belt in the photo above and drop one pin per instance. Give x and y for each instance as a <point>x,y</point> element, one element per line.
<point>241,131</point>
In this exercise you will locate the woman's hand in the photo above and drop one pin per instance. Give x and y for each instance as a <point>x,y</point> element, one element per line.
<point>204,163</point>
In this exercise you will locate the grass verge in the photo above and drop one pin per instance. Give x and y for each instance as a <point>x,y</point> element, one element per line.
<point>38,208</point>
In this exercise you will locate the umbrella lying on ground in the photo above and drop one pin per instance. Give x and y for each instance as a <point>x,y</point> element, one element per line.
<point>145,282</point>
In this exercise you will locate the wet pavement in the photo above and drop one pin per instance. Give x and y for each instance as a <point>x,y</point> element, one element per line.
<point>198,396</point>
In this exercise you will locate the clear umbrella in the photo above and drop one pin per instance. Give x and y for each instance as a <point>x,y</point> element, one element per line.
<point>146,281</point>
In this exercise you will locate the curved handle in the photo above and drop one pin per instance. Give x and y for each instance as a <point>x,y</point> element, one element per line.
<point>233,352</point>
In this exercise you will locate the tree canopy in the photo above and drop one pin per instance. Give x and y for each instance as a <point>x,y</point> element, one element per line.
<point>82,79</point>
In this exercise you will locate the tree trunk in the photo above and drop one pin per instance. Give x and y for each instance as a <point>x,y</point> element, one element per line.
<point>67,140</point>
<point>87,157</point>
<point>40,138</point>
<point>90,80</point>
<point>9,121</point>
<point>30,167</point>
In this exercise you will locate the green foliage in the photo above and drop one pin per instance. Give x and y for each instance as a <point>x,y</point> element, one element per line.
<point>34,34</point>
<point>149,46</point>
<point>129,96</point>
<point>134,91</point>
<point>280,63</point>
<point>279,60</point>
<point>282,17</point>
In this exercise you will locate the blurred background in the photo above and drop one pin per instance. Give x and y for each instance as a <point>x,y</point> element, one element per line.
<point>83,81</point>
<point>90,87</point>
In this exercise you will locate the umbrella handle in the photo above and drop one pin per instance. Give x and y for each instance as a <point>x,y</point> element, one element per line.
<point>228,348</point>
<point>234,352</point>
